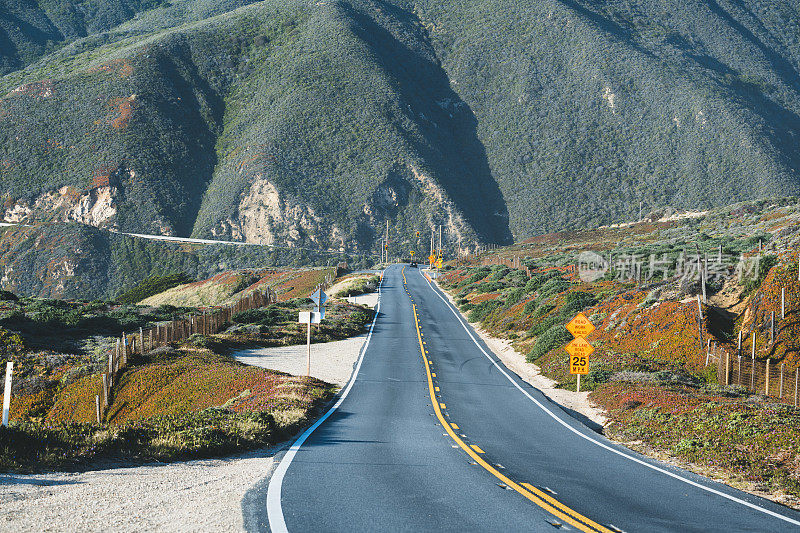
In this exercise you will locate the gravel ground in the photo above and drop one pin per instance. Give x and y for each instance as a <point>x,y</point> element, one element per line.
<point>203,495</point>
<point>330,361</point>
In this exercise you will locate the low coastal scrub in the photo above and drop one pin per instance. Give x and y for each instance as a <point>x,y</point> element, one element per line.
<point>359,285</point>
<point>753,441</point>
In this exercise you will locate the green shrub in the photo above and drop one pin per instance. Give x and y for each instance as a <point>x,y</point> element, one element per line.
<point>514,296</point>
<point>265,316</point>
<point>575,302</point>
<point>489,286</point>
<point>544,325</point>
<point>550,339</point>
<point>481,310</point>
<point>499,272</point>
<point>8,296</point>
<point>553,286</point>
<point>153,285</point>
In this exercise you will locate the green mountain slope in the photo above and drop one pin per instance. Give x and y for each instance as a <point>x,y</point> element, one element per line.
<point>314,123</point>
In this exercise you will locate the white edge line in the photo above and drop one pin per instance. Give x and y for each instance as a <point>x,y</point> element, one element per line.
<point>598,443</point>
<point>277,524</point>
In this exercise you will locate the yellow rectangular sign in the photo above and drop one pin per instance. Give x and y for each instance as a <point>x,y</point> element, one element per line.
<point>578,364</point>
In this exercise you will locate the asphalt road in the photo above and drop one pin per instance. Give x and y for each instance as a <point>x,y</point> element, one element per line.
<point>451,440</point>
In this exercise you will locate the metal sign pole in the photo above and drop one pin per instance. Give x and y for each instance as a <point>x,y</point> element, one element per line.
<point>308,343</point>
<point>7,392</point>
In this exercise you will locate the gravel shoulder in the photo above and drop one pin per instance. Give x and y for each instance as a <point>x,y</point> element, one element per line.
<point>202,495</point>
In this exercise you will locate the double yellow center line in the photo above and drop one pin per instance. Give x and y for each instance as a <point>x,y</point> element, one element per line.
<point>540,498</point>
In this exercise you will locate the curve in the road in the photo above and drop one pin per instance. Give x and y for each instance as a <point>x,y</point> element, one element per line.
<point>378,461</point>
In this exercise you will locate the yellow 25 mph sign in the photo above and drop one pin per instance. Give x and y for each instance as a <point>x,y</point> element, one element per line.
<point>579,351</point>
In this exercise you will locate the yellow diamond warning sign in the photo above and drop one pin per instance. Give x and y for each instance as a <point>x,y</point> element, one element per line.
<point>579,351</point>
<point>580,326</point>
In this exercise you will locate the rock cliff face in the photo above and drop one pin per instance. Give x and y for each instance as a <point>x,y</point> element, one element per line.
<point>96,207</point>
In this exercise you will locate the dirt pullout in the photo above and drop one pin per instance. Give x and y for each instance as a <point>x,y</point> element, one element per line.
<point>204,495</point>
<point>330,361</point>
<point>515,361</point>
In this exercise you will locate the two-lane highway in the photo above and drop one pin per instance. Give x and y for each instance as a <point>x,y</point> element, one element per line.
<point>433,433</point>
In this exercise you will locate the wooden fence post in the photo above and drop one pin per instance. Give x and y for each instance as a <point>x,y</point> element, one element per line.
<point>780,389</point>
<point>97,407</point>
<point>739,349</point>
<point>766,384</point>
<point>739,371</point>
<point>727,367</point>
<point>772,329</point>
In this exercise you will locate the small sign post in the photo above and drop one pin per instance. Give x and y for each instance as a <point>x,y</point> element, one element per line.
<point>313,317</point>
<point>7,392</point>
<point>579,349</point>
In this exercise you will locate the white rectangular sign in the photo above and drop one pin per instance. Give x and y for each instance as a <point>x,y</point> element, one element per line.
<point>310,317</point>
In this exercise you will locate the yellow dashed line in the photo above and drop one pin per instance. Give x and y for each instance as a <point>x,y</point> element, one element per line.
<point>455,426</point>
<point>477,448</point>
<point>556,509</point>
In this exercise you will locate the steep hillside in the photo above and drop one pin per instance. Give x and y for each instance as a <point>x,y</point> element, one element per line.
<point>314,123</point>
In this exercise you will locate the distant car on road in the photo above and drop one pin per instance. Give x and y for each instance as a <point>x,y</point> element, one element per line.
<point>413,264</point>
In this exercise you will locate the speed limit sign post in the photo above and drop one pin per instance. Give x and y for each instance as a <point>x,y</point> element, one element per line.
<point>579,349</point>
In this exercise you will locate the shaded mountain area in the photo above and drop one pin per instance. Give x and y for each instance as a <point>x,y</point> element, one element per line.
<point>312,124</point>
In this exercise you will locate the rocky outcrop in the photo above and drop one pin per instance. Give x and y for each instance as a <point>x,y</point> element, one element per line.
<point>267,217</point>
<point>96,207</point>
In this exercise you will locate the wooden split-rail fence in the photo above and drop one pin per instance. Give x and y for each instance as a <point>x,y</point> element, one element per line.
<point>206,322</point>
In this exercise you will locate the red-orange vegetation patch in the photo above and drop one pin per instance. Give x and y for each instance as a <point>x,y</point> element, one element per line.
<point>301,285</point>
<point>485,297</point>
<point>76,402</point>
<point>780,283</point>
<point>631,395</point>
<point>101,177</point>
<point>125,108</point>
<point>191,383</point>
<point>122,67</point>
<point>666,333</point>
